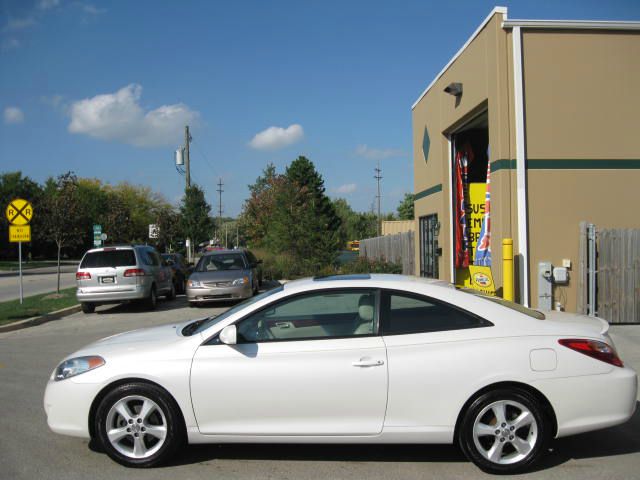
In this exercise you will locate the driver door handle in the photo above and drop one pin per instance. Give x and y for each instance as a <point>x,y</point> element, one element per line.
<point>368,362</point>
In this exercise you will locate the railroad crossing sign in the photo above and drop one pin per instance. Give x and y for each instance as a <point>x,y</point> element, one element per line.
<point>19,212</point>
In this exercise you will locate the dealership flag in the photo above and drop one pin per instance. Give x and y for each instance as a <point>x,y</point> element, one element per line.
<point>483,249</point>
<point>462,238</point>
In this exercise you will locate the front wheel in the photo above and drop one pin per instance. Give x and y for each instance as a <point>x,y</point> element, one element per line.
<point>139,425</point>
<point>504,431</point>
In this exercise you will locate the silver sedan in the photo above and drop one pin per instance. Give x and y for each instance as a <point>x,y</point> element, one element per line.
<point>221,276</point>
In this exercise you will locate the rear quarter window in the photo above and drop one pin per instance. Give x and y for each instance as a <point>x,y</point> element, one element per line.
<point>109,258</point>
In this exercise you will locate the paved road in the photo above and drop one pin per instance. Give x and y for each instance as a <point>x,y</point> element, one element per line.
<point>28,450</point>
<point>35,281</point>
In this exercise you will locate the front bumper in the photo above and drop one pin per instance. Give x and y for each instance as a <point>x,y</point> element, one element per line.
<point>67,405</point>
<point>220,294</point>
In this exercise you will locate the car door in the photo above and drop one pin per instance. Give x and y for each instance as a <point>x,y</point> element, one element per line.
<point>311,364</point>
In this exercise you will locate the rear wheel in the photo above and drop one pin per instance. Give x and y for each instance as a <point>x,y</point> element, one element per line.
<point>152,300</point>
<point>504,431</point>
<point>88,307</point>
<point>139,425</point>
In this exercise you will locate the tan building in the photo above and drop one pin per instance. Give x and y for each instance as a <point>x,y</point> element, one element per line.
<point>553,108</point>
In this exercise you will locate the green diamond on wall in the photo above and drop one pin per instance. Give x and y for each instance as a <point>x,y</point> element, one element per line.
<point>425,145</point>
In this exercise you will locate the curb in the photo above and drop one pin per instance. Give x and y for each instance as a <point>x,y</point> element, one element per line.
<point>33,321</point>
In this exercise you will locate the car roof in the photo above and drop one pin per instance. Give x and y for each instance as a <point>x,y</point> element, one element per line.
<point>374,280</point>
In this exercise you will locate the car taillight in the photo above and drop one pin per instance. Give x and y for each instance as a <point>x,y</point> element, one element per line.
<point>134,272</point>
<point>83,276</point>
<point>594,349</point>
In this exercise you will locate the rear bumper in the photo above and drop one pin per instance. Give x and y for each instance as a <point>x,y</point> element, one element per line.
<point>595,401</point>
<point>220,294</point>
<point>136,292</point>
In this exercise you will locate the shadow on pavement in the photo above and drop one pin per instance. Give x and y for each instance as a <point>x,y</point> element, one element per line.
<point>320,452</point>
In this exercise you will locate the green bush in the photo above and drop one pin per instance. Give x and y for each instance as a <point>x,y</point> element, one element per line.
<point>367,265</point>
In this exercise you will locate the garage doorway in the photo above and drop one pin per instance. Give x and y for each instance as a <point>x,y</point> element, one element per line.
<point>469,164</point>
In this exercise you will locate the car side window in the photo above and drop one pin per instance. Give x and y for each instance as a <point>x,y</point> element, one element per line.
<point>145,257</point>
<point>318,315</point>
<point>408,313</point>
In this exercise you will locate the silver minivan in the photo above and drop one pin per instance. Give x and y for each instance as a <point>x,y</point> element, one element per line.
<point>122,273</point>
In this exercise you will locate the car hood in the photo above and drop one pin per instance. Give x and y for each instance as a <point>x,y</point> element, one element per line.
<point>141,339</point>
<point>219,275</point>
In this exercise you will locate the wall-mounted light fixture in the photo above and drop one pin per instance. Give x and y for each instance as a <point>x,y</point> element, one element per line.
<point>454,89</point>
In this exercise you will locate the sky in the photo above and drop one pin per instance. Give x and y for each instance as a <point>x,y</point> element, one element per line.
<point>104,88</point>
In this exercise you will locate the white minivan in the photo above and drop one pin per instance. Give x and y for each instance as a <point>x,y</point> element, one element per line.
<point>123,273</point>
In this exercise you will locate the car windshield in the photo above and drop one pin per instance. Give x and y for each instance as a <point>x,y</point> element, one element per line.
<point>506,303</point>
<point>220,261</point>
<point>211,321</point>
<point>109,258</point>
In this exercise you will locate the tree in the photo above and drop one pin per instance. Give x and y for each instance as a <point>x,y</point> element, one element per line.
<point>304,222</point>
<point>62,216</point>
<point>406,207</point>
<point>195,221</point>
<point>256,212</point>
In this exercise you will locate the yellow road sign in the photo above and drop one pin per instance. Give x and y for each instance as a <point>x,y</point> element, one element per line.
<point>19,212</point>
<point>19,233</point>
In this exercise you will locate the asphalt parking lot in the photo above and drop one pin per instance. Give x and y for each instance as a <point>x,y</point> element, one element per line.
<point>28,450</point>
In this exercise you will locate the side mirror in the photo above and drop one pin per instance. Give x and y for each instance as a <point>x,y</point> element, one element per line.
<point>229,335</point>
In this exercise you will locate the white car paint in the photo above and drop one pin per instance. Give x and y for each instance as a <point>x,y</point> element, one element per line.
<point>311,391</point>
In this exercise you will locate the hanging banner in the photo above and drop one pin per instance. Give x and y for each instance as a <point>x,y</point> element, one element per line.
<point>483,247</point>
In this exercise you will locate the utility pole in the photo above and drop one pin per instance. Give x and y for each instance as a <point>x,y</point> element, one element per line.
<point>220,190</point>
<point>378,177</point>
<point>187,161</point>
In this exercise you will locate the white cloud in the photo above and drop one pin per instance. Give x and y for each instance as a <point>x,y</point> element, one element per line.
<point>48,4</point>
<point>274,138</point>
<point>119,117</point>
<point>378,153</point>
<point>9,44</point>
<point>13,115</point>
<point>91,9</point>
<point>15,24</point>
<point>346,189</point>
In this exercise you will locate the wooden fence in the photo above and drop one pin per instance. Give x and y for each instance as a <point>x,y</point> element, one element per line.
<point>618,275</point>
<point>398,248</point>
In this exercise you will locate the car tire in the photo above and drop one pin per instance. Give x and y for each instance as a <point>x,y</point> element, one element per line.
<point>172,292</point>
<point>139,425</point>
<point>504,431</point>
<point>152,300</point>
<point>88,307</point>
<point>193,304</point>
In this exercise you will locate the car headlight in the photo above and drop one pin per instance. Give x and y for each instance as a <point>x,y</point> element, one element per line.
<point>194,284</point>
<point>241,281</point>
<point>76,366</point>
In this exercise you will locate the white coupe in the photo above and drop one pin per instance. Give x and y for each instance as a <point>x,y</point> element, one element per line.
<point>349,359</point>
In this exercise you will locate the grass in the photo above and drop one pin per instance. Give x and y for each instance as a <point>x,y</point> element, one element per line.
<point>12,265</point>
<point>36,305</point>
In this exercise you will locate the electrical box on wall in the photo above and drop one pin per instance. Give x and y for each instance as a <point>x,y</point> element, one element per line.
<point>560,275</point>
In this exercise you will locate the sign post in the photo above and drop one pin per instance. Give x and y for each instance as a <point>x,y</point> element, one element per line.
<point>19,212</point>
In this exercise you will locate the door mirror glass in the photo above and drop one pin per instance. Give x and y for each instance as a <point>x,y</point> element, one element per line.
<point>229,335</point>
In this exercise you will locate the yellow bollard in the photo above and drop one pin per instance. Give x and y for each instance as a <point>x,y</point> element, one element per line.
<point>507,269</point>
